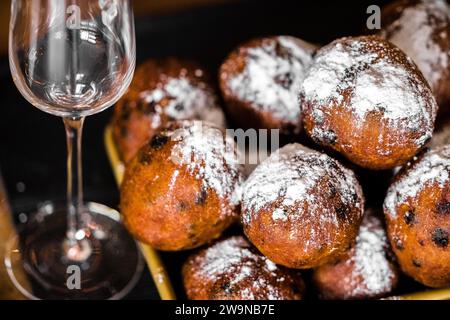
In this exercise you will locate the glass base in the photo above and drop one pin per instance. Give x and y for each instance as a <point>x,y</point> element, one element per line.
<point>111,269</point>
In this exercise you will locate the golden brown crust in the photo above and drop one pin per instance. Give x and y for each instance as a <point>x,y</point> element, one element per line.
<point>176,204</point>
<point>366,271</point>
<point>365,99</point>
<point>163,90</point>
<point>417,209</point>
<point>301,208</point>
<point>232,269</point>
<point>260,81</point>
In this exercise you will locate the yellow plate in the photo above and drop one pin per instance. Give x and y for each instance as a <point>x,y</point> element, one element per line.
<point>159,272</point>
<point>154,263</point>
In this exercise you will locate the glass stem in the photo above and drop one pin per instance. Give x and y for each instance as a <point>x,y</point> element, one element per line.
<point>77,248</point>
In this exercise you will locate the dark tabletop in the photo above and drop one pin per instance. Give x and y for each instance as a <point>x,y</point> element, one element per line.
<point>32,143</point>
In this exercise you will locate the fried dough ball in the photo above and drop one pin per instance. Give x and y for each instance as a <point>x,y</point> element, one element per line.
<point>232,269</point>
<point>421,28</point>
<point>417,209</point>
<point>163,90</point>
<point>301,208</point>
<point>182,189</point>
<point>441,135</point>
<point>366,271</point>
<point>365,99</point>
<point>260,82</point>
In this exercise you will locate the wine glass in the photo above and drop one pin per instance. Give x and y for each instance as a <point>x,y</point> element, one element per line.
<point>73,59</point>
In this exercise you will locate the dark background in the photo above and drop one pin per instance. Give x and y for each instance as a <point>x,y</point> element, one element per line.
<point>32,143</point>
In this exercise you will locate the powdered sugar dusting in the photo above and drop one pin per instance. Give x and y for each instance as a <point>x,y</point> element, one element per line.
<point>290,177</point>
<point>271,80</point>
<point>413,32</point>
<point>383,89</point>
<point>432,168</point>
<point>207,155</point>
<point>226,255</point>
<point>173,180</point>
<point>234,260</point>
<point>279,214</point>
<point>370,261</point>
<point>376,83</point>
<point>270,265</point>
<point>181,99</point>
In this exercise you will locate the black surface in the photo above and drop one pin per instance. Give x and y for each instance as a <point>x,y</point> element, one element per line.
<point>32,143</point>
<point>348,310</point>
